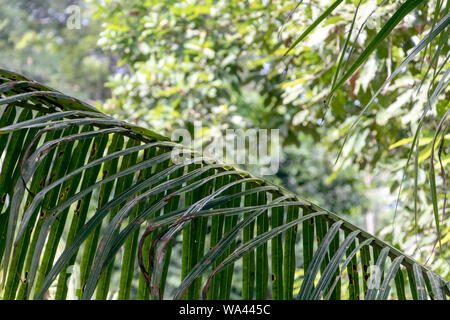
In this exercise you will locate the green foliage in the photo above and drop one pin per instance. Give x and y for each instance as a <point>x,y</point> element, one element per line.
<point>361,82</point>
<point>63,159</point>
<point>35,40</point>
<point>355,76</point>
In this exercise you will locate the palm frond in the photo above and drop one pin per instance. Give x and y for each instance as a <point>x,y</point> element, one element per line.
<point>79,188</point>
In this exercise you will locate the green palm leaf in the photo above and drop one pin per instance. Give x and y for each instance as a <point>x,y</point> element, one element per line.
<point>79,188</point>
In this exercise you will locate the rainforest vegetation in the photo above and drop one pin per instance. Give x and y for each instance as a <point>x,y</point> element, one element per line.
<point>93,204</point>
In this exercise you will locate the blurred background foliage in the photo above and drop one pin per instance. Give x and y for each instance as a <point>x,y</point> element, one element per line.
<point>34,39</point>
<point>167,64</point>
